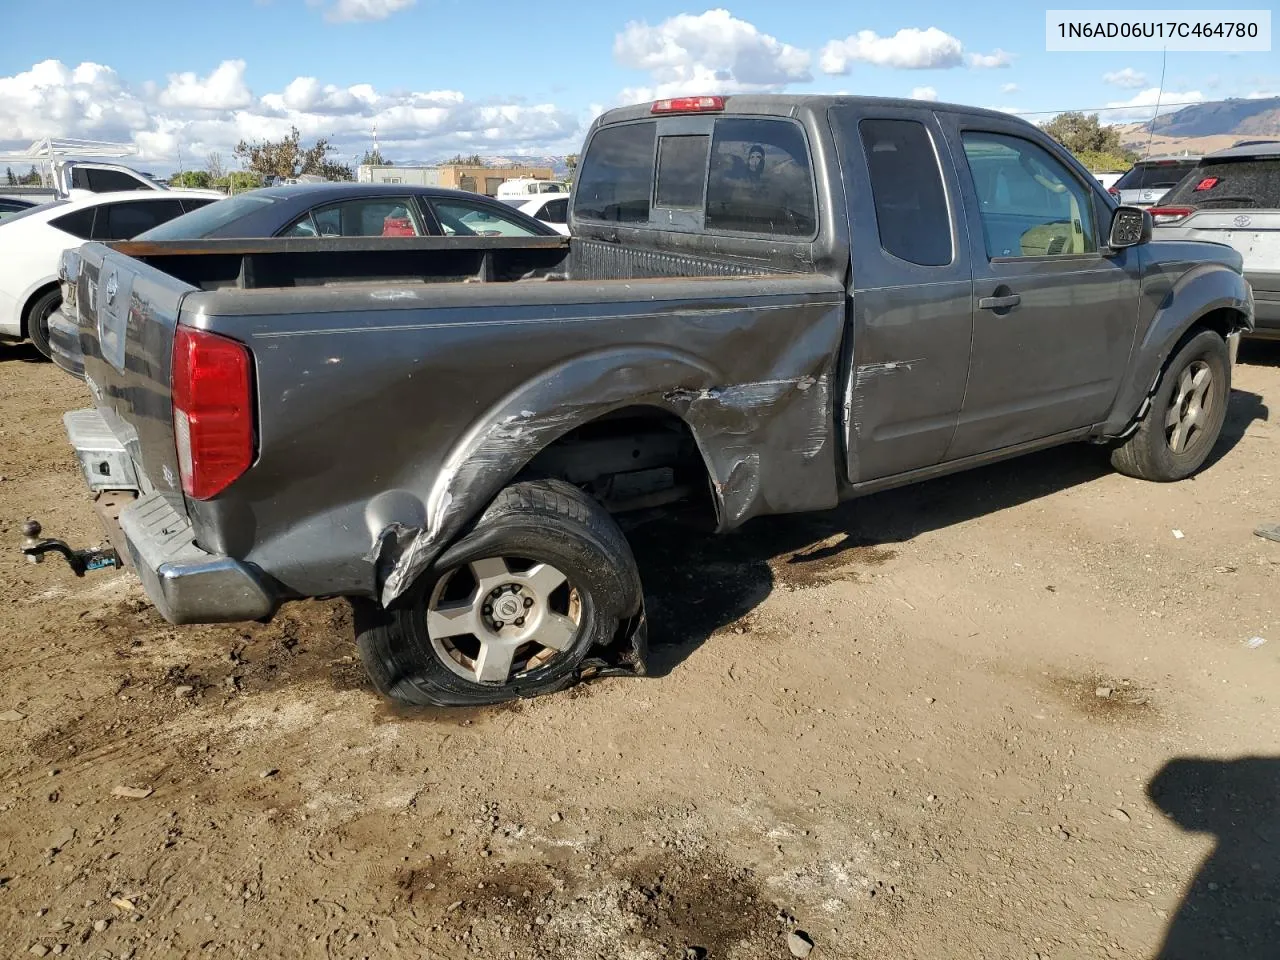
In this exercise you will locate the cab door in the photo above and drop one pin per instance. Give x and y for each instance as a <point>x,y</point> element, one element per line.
<point>910,294</point>
<point>1055,310</point>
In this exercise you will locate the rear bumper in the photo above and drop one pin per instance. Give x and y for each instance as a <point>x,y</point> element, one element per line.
<point>1266,304</point>
<point>186,583</point>
<point>64,344</point>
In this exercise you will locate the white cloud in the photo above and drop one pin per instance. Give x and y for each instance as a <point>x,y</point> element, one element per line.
<point>996,60</point>
<point>1261,95</point>
<point>1141,106</point>
<point>198,115</point>
<point>908,49</point>
<point>1009,88</point>
<point>345,11</point>
<point>924,93</point>
<point>711,52</point>
<point>224,89</point>
<point>1128,77</point>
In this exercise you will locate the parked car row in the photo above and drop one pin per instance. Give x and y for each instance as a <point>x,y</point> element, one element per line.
<point>767,304</point>
<point>34,239</point>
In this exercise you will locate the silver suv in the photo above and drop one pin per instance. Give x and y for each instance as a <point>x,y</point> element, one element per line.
<point>1149,180</point>
<point>1233,197</point>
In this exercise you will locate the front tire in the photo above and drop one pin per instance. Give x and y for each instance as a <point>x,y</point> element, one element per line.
<point>508,611</point>
<point>38,321</point>
<point>1186,414</point>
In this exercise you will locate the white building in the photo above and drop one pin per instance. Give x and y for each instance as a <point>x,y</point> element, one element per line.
<point>414,176</point>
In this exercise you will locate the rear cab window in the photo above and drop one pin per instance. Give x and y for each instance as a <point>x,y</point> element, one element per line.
<point>1230,183</point>
<point>1157,174</point>
<point>701,174</point>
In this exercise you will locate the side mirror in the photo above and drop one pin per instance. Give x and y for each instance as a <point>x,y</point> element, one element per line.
<point>1130,226</point>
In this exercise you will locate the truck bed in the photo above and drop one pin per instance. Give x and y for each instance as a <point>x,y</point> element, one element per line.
<point>400,384</point>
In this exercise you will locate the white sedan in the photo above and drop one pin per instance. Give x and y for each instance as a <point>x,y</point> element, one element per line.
<point>551,208</point>
<point>32,243</point>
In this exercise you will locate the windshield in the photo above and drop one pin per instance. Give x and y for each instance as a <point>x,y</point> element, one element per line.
<point>1230,183</point>
<point>1162,173</point>
<point>201,223</point>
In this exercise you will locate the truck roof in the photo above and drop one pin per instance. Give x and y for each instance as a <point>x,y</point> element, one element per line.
<point>783,104</point>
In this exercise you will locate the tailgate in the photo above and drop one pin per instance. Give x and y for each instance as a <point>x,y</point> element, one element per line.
<point>127,314</point>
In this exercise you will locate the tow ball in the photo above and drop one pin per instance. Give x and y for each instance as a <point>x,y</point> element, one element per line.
<point>80,561</point>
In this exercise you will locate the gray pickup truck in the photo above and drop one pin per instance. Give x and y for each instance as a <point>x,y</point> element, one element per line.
<point>768,304</point>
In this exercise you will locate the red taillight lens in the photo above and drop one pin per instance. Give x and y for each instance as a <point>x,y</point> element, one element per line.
<point>1113,191</point>
<point>1170,214</point>
<point>688,105</point>
<point>212,411</point>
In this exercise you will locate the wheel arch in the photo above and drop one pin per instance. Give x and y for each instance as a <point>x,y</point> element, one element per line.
<point>1207,297</point>
<point>788,419</point>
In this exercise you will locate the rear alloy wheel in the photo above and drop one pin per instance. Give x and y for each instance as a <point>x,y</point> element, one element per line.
<point>511,609</point>
<point>501,617</point>
<point>38,321</point>
<point>1186,414</point>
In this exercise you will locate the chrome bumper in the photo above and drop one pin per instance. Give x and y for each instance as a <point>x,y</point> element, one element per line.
<point>186,583</point>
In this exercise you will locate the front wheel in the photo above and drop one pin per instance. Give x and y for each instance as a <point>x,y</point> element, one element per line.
<point>1186,414</point>
<point>511,609</point>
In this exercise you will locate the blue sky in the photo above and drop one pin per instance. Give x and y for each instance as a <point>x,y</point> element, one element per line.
<point>435,77</point>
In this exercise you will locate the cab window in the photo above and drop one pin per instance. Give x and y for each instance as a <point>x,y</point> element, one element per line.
<point>1030,205</point>
<point>761,180</point>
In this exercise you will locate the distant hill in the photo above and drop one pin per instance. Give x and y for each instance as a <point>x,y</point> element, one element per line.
<point>1254,118</point>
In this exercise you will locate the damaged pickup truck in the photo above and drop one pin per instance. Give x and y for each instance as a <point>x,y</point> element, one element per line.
<point>768,304</point>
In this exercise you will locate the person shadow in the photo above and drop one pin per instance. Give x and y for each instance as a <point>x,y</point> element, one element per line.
<point>1232,907</point>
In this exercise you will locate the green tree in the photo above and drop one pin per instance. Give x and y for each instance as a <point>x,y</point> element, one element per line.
<point>571,161</point>
<point>32,179</point>
<point>474,160</point>
<point>374,158</point>
<point>238,181</point>
<point>10,179</point>
<point>1084,134</point>
<point>197,179</point>
<point>1101,162</point>
<point>287,157</point>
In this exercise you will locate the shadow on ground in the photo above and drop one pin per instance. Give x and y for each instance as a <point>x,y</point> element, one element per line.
<point>1232,907</point>
<point>1260,352</point>
<point>20,353</point>
<point>697,584</point>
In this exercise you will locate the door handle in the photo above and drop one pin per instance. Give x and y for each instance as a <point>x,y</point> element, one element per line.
<point>999,303</point>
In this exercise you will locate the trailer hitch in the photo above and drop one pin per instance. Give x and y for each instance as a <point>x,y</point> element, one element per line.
<point>80,561</point>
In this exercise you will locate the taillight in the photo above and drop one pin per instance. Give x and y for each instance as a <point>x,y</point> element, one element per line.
<point>688,105</point>
<point>1167,215</point>
<point>212,411</point>
<point>1113,191</point>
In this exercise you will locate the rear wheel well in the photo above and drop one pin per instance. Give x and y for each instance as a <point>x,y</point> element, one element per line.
<point>633,459</point>
<point>31,302</point>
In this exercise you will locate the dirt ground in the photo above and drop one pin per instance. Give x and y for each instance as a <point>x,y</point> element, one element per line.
<point>1028,712</point>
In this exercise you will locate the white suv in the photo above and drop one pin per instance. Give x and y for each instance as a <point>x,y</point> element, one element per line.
<point>1233,197</point>
<point>32,243</point>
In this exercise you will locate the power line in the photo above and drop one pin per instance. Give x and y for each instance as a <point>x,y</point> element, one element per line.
<point>1130,107</point>
<point>1151,130</point>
